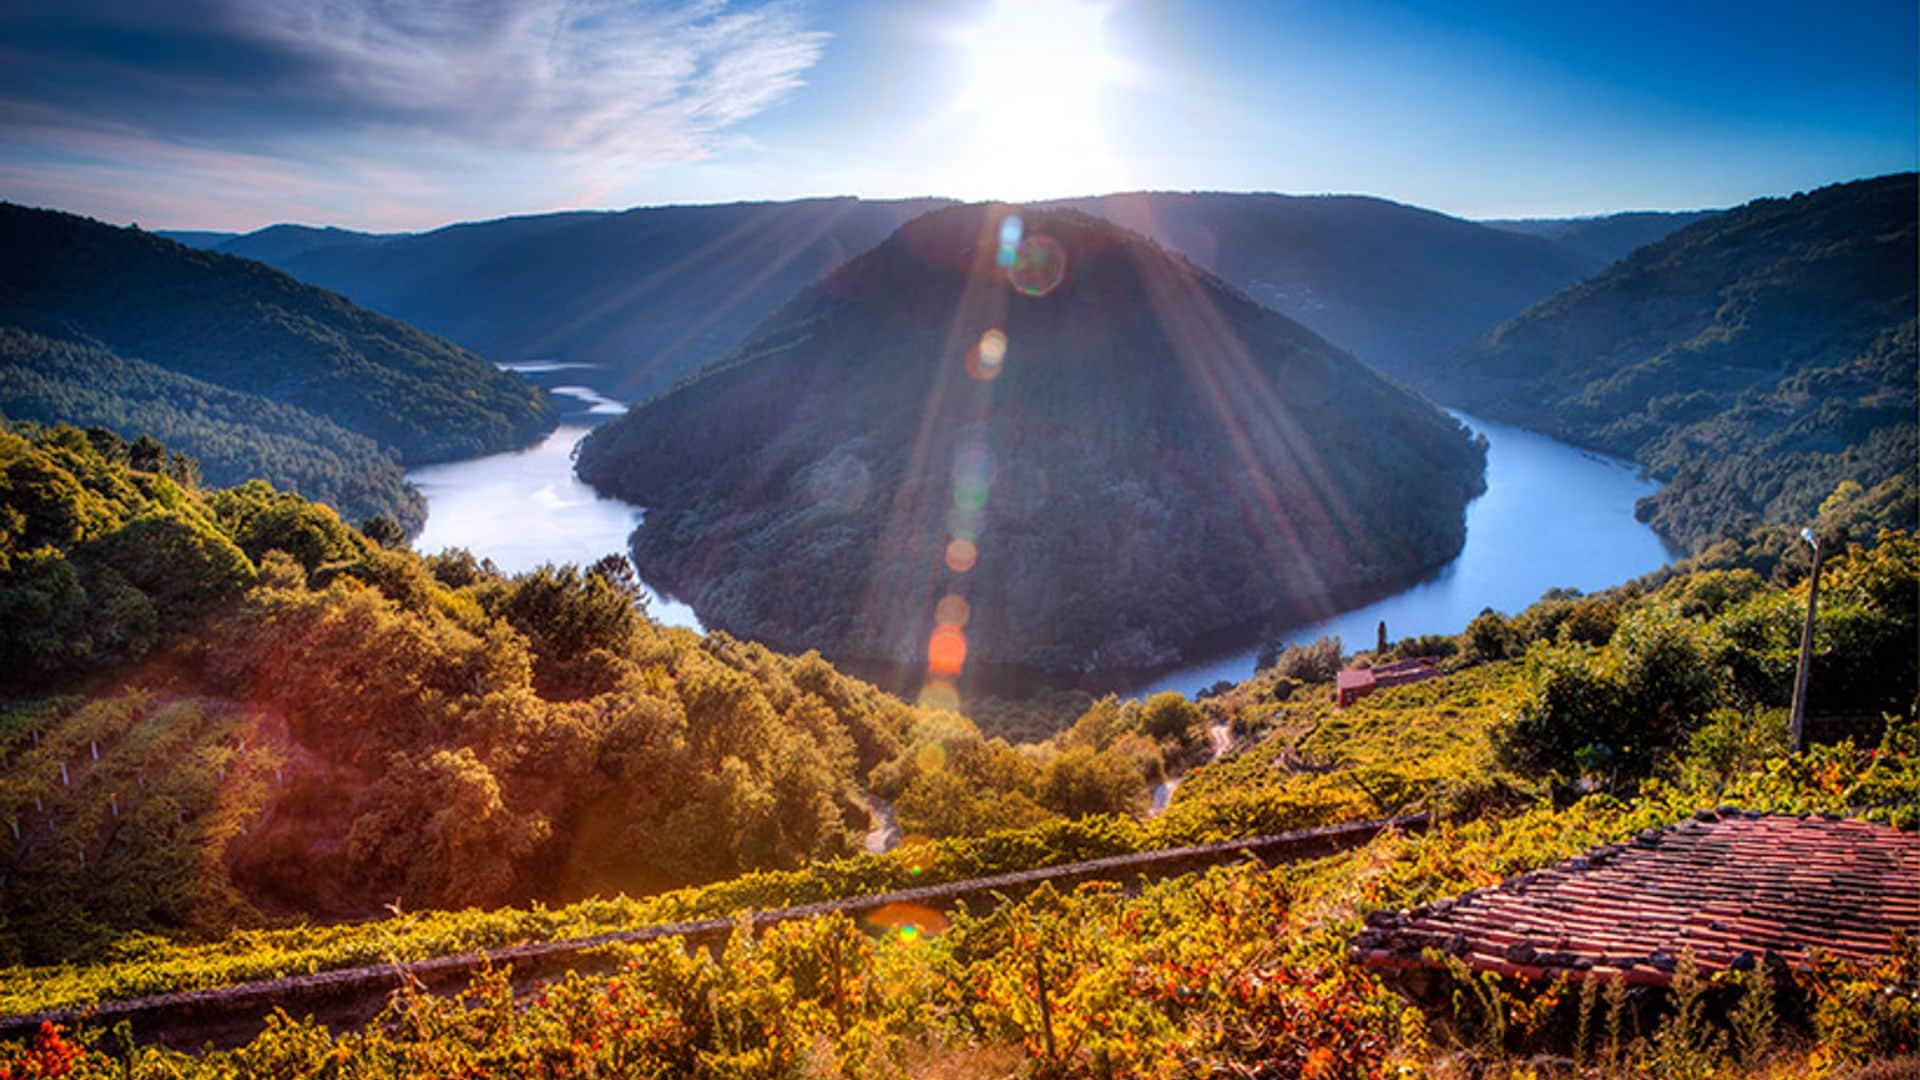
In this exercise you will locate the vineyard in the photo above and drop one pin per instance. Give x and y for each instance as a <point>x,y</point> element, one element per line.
<point>1235,964</point>
<point>298,755</point>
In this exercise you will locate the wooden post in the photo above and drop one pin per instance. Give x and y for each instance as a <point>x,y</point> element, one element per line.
<point>1797,724</point>
<point>1046,1009</point>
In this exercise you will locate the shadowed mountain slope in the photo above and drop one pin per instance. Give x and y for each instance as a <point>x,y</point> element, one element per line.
<point>1396,284</point>
<point>1108,472</point>
<point>646,295</point>
<point>250,328</point>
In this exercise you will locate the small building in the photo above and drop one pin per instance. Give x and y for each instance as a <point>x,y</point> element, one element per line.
<point>1735,888</point>
<point>1352,685</point>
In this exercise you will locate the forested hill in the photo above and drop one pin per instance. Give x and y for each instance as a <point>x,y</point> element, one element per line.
<point>252,329</point>
<point>222,706</point>
<point>1135,454</point>
<point>1753,360</point>
<point>236,436</point>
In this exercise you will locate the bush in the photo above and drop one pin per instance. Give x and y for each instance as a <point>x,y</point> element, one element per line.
<point>1316,662</point>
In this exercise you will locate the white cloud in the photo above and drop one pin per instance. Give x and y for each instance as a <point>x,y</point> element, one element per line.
<point>449,102</point>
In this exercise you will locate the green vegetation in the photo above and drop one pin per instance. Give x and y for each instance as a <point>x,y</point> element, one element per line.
<point>235,436</point>
<point>433,731</point>
<point>1152,459</point>
<point>1753,360</point>
<point>253,372</point>
<point>241,727</point>
<point>1228,970</point>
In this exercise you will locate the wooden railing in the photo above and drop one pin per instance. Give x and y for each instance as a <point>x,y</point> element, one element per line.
<point>350,997</point>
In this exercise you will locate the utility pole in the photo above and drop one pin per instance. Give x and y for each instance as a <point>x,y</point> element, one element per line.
<point>1797,724</point>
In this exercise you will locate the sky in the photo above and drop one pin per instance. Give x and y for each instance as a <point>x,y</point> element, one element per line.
<point>385,115</point>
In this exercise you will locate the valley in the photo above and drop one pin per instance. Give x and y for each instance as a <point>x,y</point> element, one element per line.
<point>1126,635</point>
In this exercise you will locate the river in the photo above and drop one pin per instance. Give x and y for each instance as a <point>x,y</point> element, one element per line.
<point>524,508</point>
<point>1552,516</point>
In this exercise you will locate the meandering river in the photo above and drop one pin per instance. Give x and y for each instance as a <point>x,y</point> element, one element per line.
<point>525,508</point>
<point>1552,516</point>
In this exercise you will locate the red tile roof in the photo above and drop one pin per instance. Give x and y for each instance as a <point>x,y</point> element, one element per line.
<point>1353,677</point>
<point>1737,887</point>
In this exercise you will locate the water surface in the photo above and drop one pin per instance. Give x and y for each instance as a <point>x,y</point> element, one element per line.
<point>526,507</point>
<point>1553,516</point>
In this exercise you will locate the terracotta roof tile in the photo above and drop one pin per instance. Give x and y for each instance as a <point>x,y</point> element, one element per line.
<point>1737,887</point>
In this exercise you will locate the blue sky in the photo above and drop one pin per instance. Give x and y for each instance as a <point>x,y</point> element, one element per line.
<point>375,114</point>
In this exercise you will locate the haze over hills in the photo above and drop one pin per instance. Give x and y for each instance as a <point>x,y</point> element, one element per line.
<point>211,320</point>
<point>1137,459</point>
<point>652,294</point>
<point>1753,360</point>
<point>1396,284</point>
<point>648,295</point>
<point>1603,238</point>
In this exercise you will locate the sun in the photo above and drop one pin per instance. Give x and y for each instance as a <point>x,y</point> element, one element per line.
<point>1040,75</point>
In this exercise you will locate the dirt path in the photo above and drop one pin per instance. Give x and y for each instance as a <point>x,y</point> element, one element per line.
<point>1219,741</point>
<point>883,835</point>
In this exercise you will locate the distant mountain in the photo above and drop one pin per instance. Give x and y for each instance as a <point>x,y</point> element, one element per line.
<point>647,295</point>
<point>1109,472</point>
<point>162,327</point>
<point>1606,238</point>
<point>275,243</point>
<point>278,243</point>
<point>196,238</point>
<point>1396,284</point>
<point>1754,359</point>
<point>650,295</point>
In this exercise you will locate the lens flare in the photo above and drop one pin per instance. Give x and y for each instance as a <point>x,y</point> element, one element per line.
<point>946,651</point>
<point>940,696</point>
<point>1010,229</point>
<point>993,346</point>
<point>911,921</point>
<point>961,555</point>
<point>952,611</point>
<point>1039,266</point>
<point>985,359</point>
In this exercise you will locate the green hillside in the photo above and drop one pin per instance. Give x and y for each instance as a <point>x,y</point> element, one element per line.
<point>1751,360</point>
<point>236,436</point>
<point>356,721</point>
<point>251,329</point>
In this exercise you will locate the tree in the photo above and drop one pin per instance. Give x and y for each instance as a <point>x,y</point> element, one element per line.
<point>1174,722</point>
<point>1489,637</point>
<point>385,531</point>
<point>1082,781</point>
<point>147,454</point>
